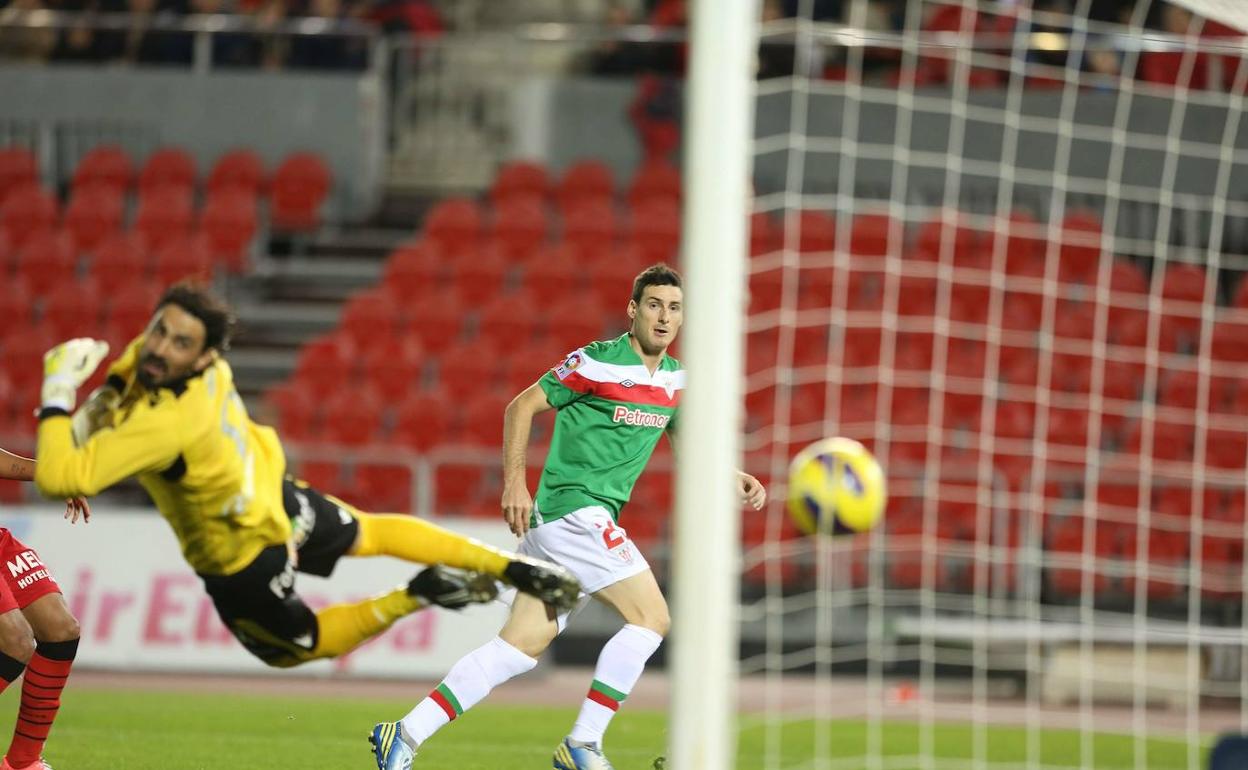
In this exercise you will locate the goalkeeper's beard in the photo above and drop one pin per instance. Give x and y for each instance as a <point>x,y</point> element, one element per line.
<point>148,380</point>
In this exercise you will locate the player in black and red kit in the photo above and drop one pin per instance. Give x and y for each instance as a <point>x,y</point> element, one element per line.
<point>38,633</point>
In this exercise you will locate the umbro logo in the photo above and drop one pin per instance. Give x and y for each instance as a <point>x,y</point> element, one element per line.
<point>627,384</point>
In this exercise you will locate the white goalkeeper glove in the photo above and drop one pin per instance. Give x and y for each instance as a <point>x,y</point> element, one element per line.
<point>94,414</point>
<point>66,367</point>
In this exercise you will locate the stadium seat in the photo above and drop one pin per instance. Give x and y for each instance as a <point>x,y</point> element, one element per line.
<point>585,180</point>
<point>182,257</point>
<point>766,237</point>
<point>93,214</point>
<point>1183,293</point>
<point>1128,284</point>
<point>1179,388</point>
<point>469,368</point>
<point>23,360</point>
<point>415,267</point>
<point>591,228</point>
<point>18,168</point>
<point>611,284</point>
<point>298,189</point>
<point>131,307</point>
<point>520,179</point>
<point>1074,322</point>
<point>435,317</point>
<point>228,223</point>
<point>118,260</point>
<point>325,365</point>
<point>27,211</point>
<point>1171,440</point>
<point>963,240</point>
<point>766,289</point>
<point>520,226</point>
<point>106,165</point>
<point>457,486</point>
<point>1226,449</point>
<point>1024,247</point>
<point>46,261</point>
<point>455,226</point>
<point>511,319</point>
<point>72,309</point>
<point>816,230</point>
<point>383,487</point>
<point>370,318</point>
<point>654,228</point>
<point>351,416</point>
<point>168,167</point>
<point>1230,341</point>
<point>483,419</point>
<point>327,476</point>
<point>237,170</point>
<point>555,268</point>
<point>17,309</point>
<point>1080,250</point>
<point>655,180</point>
<point>916,296</point>
<point>421,420</point>
<point>164,214</point>
<point>393,366</point>
<point>297,407</point>
<point>568,325</point>
<point>871,233</point>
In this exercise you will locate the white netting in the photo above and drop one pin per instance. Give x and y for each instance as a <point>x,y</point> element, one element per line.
<point>1004,247</point>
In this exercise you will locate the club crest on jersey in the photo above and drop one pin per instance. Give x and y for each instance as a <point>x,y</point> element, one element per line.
<point>570,364</point>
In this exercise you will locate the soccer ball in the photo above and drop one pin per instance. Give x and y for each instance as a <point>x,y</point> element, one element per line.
<point>835,487</point>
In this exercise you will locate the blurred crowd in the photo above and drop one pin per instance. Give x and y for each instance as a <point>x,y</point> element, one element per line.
<point>257,43</point>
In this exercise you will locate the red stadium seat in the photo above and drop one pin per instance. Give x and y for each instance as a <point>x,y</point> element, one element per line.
<point>27,211</point>
<point>568,324</point>
<point>46,261</point>
<point>1080,247</point>
<point>816,230</point>
<point>655,180</point>
<point>871,235</point>
<point>93,214</point>
<point>393,366</point>
<point>611,285</point>
<point>168,167</point>
<point>181,258</point>
<point>1127,283</point>
<point>17,309</point>
<point>1024,247</point>
<point>370,318</point>
<point>557,268</point>
<point>299,188</point>
<point>510,320</point>
<point>421,420</point>
<point>469,368</point>
<point>766,237</point>
<point>237,170</point>
<point>586,180</point>
<point>457,487</point>
<point>327,476</point>
<point>296,407</point>
<point>520,179</point>
<point>963,240</point>
<point>164,214</point>
<point>107,165</point>
<point>485,277</point>
<point>18,168</point>
<point>119,260</point>
<point>1226,449</point>
<point>436,318</point>
<point>228,223</point>
<point>325,365</point>
<point>352,417</point>
<point>455,225</point>
<point>520,226</point>
<point>414,268</point>
<point>384,487</point>
<point>1183,289</point>
<point>132,307</point>
<point>483,419</point>
<point>591,228</point>
<point>72,309</point>
<point>655,230</point>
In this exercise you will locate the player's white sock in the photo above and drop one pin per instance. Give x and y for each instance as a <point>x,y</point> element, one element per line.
<point>620,664</point>
<point>467,683</point>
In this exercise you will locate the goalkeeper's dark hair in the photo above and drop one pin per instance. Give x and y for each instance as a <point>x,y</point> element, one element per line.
<point>656,275</point>
<point>212,311</point>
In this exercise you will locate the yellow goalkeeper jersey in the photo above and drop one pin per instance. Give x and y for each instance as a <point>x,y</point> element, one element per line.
<point>214,474</point>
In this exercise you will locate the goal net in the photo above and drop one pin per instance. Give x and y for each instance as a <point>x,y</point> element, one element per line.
<point>1002,244</point>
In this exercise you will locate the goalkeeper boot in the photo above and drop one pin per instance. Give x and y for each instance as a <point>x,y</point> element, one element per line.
<point>551,583</point>
<point>451,588</point>
<point>575,755</point>
<point>392,748</point>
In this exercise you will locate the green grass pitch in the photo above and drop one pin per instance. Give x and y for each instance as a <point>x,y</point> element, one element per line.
<point>133,730</point>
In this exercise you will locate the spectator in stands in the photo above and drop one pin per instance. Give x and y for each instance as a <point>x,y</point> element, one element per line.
<point>136,43</point>
<point>621,57</point>
<point>418,18</point>
<point>24,44</point>
<point>268,48</point>
<point>330,50</point>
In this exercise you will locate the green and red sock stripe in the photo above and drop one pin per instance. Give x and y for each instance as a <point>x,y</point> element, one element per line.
<point>606,695</point>
<point>443,696</point>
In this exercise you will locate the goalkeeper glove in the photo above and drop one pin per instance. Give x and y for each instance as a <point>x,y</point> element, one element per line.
<point>95,413</point>
<point>66,367</point>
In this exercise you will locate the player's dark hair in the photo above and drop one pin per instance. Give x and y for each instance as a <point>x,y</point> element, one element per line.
<point>656,275</point>
<point>212,311</point>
